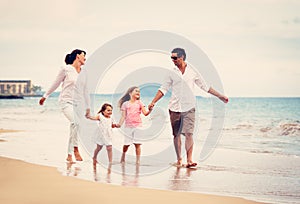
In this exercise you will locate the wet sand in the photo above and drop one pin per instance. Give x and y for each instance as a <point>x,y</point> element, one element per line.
<point>22,182</point>
<point>6,131</point>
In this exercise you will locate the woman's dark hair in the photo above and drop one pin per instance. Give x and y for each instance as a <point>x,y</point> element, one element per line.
<point>104,106</point>
<point>70,58</point>
<point>126,96</point>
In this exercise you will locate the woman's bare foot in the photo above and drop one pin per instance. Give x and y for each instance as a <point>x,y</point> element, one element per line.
<point>77,155</point>
<point>69,158</point>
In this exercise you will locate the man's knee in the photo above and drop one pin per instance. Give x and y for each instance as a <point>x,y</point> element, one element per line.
<point>189,136</point>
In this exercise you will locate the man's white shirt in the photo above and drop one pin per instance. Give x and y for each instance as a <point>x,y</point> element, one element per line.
<point>182,87</point>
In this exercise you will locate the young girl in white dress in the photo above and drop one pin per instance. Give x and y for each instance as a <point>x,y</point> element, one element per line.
<point>104,133</point>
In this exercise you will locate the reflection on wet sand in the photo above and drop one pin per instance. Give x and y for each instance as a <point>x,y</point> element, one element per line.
<point>130,180</point>
<point>71,170</point>
<point>129,174</point>
<point>181,179</point>
<point>108,174</point>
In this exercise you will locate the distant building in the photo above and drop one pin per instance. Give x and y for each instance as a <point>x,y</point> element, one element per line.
<point>15,87</point>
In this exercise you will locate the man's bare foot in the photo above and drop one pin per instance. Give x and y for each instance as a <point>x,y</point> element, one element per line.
<point>191,164</point>
<point>179,162</point>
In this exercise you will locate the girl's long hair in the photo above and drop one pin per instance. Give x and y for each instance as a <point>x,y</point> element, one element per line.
<point>126,96</point>
<point>103,108</point>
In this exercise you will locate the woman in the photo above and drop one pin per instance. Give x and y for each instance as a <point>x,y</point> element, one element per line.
<point>67,76</point>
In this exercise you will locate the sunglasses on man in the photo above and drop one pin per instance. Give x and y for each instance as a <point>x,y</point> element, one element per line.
<point>174,58</point>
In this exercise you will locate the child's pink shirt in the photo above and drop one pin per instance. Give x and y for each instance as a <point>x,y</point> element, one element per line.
<point>133,113</point>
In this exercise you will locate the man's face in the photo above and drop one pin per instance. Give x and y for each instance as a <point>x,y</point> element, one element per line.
<point>176,60</point>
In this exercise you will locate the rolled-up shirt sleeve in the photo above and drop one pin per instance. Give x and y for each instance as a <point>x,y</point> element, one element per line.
<point>200,82</point>
<point>58,80</point>
<point>166,85</point>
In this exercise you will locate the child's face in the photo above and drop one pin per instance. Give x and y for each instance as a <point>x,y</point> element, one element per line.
<point>107,112</point>
<point>135,93</point>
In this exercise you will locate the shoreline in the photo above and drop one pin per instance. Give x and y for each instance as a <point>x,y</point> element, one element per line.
<point>8,130</point>
<point>23,182</point>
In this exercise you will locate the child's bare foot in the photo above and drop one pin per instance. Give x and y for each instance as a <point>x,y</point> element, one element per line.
<point>122,159</point>
<point>109,168</point>
<point>138,160</point>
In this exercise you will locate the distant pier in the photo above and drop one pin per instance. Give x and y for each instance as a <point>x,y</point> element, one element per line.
<point>17,89</point>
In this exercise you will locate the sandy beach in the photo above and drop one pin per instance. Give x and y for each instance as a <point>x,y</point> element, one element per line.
<point>27,183</point>
<point>6,131</point>
<point>247,165</point>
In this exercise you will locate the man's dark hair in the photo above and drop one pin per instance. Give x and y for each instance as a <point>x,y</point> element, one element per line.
<point>180,52</point>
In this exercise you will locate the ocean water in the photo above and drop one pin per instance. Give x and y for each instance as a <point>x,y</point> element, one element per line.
<point>257,155</point>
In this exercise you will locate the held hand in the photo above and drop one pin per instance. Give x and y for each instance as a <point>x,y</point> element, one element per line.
<point>87,113</point>
<point>42,100</point>
<point>117,125</point>
<point>150,106</point>
<point>89,117</point>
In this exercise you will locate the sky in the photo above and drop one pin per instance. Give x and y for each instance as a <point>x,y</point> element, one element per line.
<point>253,44</point>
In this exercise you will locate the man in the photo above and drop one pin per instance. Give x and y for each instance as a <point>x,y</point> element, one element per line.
<point>183,102</point>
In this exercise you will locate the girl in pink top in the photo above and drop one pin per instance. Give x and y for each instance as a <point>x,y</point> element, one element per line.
<point>131,108</point>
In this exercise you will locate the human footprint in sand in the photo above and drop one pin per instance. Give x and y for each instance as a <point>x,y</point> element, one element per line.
<point>182,104</point>
<point>132,107</point>
<point>104,133</point>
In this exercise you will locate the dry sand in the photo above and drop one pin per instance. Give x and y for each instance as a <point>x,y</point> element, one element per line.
<point>24,183</point>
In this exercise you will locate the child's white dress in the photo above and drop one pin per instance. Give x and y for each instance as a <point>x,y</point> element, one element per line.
<point>104,131</point>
